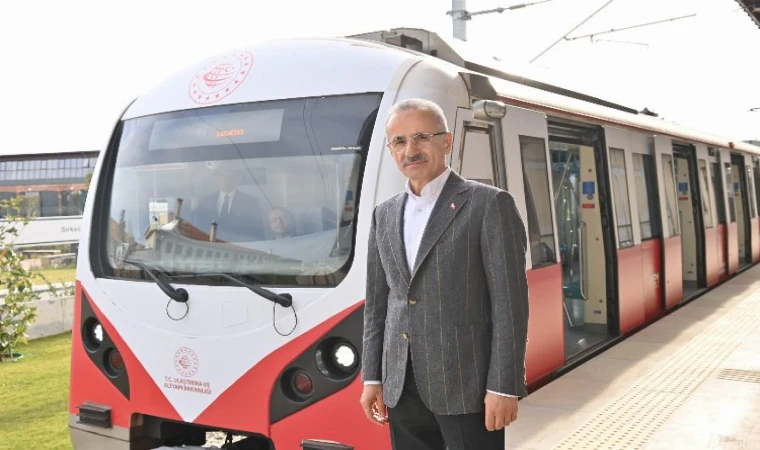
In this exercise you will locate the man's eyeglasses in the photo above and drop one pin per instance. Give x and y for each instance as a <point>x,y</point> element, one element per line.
<point>398,144</point>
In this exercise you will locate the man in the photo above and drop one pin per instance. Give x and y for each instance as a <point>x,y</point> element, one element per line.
<point>238,216</point>
<point>446,313</point>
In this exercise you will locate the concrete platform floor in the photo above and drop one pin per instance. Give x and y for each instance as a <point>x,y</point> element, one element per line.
<point>690,380</point>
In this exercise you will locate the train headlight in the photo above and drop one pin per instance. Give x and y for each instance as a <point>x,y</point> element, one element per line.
<point>344,356</point>
<point>92,334</point>
<point>336,358</point>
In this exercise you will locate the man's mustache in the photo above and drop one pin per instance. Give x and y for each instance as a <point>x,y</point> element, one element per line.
<point>419,157</point>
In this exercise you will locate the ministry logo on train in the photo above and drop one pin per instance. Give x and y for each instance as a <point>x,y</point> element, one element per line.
<point>220,77</point>
<point>186,362</point>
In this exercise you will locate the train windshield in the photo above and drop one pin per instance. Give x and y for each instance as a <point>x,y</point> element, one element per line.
<point>262,191</point>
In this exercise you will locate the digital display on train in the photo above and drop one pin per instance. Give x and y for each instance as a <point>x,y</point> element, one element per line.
<point>244,127</point>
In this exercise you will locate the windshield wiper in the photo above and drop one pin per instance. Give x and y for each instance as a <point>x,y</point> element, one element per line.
<point>179,295</point>
<point>284,300</point>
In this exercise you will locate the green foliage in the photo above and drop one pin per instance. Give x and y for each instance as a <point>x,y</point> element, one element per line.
<point>16,315</point>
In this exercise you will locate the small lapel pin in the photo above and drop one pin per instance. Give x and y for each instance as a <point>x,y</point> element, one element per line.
<point>453,206</point>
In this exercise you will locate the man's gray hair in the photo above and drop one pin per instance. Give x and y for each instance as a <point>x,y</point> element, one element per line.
<point>418,104</point>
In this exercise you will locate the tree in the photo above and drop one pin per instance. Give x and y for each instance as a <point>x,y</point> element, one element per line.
<point>16,315</point>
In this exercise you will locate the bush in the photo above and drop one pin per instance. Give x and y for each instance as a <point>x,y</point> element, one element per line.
<point>15,313</point>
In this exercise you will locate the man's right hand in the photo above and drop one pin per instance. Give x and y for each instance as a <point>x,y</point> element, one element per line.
<point>372,403</point>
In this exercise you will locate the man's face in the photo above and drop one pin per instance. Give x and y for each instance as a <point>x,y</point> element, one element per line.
<point>423,158</point>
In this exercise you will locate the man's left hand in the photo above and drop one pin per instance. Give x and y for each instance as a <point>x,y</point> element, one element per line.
<point>500,411</point>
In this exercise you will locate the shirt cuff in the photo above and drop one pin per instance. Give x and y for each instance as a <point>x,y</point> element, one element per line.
<point>499,393</point>
<point>372,382</point>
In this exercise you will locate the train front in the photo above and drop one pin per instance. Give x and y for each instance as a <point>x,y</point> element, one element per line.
<point>221,272</point>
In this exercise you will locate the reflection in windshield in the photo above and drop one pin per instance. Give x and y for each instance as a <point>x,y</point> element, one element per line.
<point>282,210</point>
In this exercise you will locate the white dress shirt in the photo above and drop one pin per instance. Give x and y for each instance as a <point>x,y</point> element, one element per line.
<point>416,216</point>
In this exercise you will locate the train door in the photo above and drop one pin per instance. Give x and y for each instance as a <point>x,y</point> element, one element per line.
<point>721,213</point>
<point>638,261</point>
<point>650,227</point>
<point>528,179</point>
<point>733,250</point>
<point>586,238</point>
<point>751,204</point>
<point>711,235</point>
<point>691,220</point>
<point>739,193</point>
<point>671,226</point>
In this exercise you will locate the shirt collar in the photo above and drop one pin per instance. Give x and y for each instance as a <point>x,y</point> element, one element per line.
<point>431,190</point>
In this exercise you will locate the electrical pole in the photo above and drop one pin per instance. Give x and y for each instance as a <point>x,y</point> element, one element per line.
<point>460,15</point>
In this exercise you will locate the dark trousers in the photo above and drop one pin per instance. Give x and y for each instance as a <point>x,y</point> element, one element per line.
<point>415,427</point>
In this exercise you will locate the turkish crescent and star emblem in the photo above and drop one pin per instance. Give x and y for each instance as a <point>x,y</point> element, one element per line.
<point>220,77</point>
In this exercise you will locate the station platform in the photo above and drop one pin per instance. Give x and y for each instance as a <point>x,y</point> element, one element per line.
<point>688,381</point>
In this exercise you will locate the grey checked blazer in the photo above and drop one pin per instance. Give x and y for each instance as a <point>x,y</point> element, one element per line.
<point>463,308</point>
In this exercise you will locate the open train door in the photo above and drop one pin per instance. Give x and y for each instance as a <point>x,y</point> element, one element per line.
<point>671,226</point>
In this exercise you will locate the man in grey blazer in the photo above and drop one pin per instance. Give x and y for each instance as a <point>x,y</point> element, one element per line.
<point>446,313</point>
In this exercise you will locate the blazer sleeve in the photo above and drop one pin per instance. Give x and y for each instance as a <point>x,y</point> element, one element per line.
<point>504,244</point>
<point>375,308</point>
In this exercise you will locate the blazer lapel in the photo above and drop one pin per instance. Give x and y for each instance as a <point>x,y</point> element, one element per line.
<point>441,216</point>
<point>397,239</point>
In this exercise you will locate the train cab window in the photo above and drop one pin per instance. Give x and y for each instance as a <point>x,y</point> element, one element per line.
<point>646,195</point>
<point>731,193</point>
<point>477,157</point>
<point>704,194</point>
<point>620,191</point>
<point>671,208</point>
<point>720,198</point>
<point>538,200</point>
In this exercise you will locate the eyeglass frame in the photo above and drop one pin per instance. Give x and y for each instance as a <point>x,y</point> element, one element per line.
<point>430,136</point>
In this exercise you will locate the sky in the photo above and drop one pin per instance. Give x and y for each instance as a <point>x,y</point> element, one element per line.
<point>69,68</point>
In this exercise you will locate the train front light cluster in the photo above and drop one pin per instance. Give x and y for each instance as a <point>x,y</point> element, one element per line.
<point>101,349</point>
<point>328,365</point>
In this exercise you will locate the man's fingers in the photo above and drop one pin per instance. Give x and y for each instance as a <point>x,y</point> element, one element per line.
<point>367,407</point>
<point>514,416</point>
<point>490,420</point>
<point>499,422</point>
<point>381,408</point>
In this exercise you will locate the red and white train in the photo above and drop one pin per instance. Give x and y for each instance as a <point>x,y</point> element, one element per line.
<point>199,313</point>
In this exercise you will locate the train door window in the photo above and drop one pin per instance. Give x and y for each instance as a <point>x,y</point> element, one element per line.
<point>730,193</point>
<point>704,194</point>
<point>477,158</point>
<point>646,195</point>
<point>670,195</point>
<point>720,198</point>
<point>620,191</point>
<point>537,200</point>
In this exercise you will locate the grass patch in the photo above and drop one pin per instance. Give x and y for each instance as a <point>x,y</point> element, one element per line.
<point>34,396</point>
<point>63,275</point>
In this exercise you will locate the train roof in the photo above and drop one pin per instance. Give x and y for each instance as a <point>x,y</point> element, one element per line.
<point>518,86</point>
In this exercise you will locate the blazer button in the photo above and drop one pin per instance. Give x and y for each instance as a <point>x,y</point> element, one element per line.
<point>412,301</point>
<point>405,335</point>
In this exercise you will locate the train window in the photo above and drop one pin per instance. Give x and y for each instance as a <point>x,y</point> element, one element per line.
<point>704,194</point>
<point>646,195</point>
<point>476,160</point>
<point>751,200</point>
<point>670,195</point>
<point>720,197</point>
<point>620,191</point>
<point>537,200</point>
<point>731,193</point>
